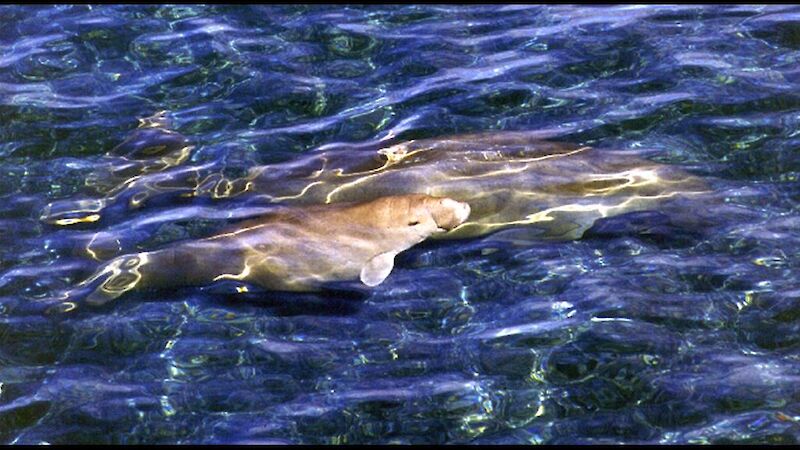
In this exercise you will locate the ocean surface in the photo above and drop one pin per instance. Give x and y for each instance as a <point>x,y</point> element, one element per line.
<point>632,334</point>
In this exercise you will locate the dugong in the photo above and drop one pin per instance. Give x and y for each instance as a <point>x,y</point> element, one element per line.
<point>510,179</point>
<point>149,149</point>
<point>558,190</point>
<point>291,249</point>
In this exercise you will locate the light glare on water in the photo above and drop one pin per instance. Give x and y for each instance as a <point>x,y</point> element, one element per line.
<point>674,319</point>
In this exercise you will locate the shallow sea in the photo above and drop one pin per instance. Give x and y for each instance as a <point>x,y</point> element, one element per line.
<point>624,336</point>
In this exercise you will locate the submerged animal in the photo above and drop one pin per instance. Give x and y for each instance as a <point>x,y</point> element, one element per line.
<point>291,249</point>
<point>507,178</point>
<point>344,213</point>
<point>147,150</point>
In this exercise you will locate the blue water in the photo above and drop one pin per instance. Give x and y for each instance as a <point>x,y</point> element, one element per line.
<point>625,336</point>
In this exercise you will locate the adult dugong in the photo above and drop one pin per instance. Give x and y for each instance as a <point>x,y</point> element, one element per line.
<point>149,149</point>
<point>291,249</point>
<point>558,190</point>
<point>510,179</point>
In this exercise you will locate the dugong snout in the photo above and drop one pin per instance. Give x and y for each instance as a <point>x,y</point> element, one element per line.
<point>449,213</point>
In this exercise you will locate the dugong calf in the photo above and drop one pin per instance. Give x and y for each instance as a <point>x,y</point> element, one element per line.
<point>291,249</point>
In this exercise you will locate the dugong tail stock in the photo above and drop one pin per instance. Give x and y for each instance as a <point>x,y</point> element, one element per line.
<point>174,267</point>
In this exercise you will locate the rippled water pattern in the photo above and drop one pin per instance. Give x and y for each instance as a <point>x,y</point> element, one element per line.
<point>625,336</point>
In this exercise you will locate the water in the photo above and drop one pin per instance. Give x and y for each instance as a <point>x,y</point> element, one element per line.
<point>625,336</point>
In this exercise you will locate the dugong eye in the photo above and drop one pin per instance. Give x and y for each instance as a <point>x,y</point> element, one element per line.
<point>411,224</point>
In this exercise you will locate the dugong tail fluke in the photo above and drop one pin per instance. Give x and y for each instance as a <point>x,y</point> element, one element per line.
<point>147,150</point>
<point>188,264</point>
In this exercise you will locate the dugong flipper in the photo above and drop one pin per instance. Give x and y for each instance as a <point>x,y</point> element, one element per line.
<point>293,249</point>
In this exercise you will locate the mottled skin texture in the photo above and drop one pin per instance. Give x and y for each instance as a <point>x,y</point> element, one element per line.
<point>293,249</point>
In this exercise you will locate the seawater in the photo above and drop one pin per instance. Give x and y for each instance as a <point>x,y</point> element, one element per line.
<point>629,335</point>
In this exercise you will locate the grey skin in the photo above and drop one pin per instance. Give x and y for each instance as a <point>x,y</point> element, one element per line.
<point>552,190</point>
<point>293,249</point>
<point>508,178</point>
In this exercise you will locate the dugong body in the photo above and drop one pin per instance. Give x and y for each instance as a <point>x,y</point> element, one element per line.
<point>507,178</point>
<point>292,249</point>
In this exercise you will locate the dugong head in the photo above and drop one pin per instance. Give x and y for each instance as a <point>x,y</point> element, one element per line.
<point>410,219</point>
<point>446,212</point>
<point>416,215</point>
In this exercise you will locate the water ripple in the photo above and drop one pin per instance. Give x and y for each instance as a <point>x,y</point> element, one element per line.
<point>672,326</point>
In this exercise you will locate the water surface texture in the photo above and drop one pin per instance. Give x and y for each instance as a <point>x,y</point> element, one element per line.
<point>641,332</point>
